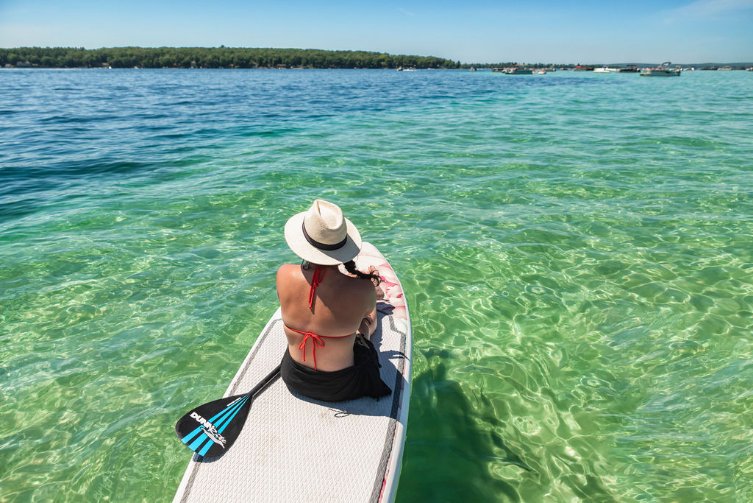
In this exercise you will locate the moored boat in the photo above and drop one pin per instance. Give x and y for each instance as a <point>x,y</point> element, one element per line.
<point>664,70</point>
<point>514,70</point>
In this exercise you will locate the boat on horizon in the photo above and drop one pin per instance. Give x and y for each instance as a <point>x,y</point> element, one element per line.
<point>663,70</point>
<point>606,69</point>
<point>514,70</point>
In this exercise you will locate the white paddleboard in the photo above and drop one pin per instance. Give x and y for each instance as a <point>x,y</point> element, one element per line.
<point>296,449</point>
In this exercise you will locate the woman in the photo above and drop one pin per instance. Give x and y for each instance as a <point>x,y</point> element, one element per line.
<point>328,310</point>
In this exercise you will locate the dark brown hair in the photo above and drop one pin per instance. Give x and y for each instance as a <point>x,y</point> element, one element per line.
<point>350,266</point>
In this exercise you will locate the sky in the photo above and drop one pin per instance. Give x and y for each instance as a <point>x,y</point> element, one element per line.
<point>470,31</point>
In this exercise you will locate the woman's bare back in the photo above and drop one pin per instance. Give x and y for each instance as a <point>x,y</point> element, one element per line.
<point>340,305</point>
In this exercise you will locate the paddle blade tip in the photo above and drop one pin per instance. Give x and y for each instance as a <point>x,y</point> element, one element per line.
<point>210,429</point>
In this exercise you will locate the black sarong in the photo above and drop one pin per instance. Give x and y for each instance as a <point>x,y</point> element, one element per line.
<point>362,379</point>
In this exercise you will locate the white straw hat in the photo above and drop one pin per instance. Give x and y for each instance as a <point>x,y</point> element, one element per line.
<point>322,235</point>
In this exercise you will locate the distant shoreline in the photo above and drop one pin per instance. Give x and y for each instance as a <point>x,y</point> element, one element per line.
<point>212,57</point>
<point>263,58</point>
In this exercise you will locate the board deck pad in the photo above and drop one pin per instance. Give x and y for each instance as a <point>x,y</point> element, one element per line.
<point>293,448</point>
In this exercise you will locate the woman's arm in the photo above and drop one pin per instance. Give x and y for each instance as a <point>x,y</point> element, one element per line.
<point>368,324</point>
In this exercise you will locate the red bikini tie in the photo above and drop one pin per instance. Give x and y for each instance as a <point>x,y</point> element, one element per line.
<point>316,340</point>
<point>315,282</point>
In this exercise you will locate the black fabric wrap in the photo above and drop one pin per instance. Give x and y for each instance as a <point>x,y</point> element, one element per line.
<point>362,379</point>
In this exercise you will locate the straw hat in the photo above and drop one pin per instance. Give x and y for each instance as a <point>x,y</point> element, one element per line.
<point>322,235</point>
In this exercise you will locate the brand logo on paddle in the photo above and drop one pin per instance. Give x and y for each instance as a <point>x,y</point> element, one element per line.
<point>209,430</point>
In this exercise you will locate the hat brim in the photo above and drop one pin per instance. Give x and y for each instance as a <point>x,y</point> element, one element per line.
<point>308,252</point>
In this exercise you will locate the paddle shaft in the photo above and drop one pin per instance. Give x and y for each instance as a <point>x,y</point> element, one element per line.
<point>265,382</point>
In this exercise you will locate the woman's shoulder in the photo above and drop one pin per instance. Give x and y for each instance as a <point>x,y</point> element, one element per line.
<point>287,268</point>
<point>286,272</point>
<point>361,288</point>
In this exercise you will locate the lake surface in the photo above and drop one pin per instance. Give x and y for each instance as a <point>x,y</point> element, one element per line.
<point>577,251</point>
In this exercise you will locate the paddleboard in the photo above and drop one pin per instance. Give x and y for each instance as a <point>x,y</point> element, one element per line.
<point>293,448</point>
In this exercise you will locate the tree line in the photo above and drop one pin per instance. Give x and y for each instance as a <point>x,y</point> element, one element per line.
<point>210,57</point>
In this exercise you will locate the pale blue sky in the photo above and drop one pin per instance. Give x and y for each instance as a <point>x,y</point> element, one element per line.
<point>566,31</point>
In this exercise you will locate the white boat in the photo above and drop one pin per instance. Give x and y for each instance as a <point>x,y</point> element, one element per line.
<point>664,70</point>
<point>606,69</point>
<point>514,70</point>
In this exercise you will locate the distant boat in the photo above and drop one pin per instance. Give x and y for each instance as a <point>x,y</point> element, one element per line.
<point>540,71</point>
<point>724,69</point>
<point>606,69</point>
<point>629,69</point>
<point>584,68</point>
<point>664,70</point>
<point>514,70</point>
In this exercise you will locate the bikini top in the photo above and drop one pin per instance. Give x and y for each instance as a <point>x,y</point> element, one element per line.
<point>316,339</point>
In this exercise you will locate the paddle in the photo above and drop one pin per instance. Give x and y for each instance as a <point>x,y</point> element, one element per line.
<point>210,429</point>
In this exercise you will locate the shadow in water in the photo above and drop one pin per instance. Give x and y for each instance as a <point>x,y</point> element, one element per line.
<point>447,452</point>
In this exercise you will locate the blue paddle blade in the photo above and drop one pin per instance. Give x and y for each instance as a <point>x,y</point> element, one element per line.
<point>210,429</point>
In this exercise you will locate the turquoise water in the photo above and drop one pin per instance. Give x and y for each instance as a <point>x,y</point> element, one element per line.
<point>577,251</point>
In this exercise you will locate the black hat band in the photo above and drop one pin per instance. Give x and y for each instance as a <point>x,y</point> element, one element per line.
<point>322,246</point>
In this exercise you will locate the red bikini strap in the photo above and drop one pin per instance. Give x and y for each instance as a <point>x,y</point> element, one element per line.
<point>315,282</point>
<point>316,340</point>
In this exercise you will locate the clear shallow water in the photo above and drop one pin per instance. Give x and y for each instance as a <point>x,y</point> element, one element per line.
<point>577,251</point>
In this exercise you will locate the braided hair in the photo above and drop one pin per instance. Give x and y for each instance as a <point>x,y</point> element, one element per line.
<point>350,266</point>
